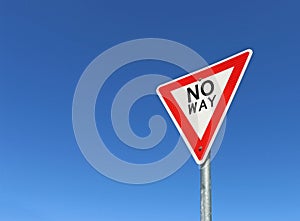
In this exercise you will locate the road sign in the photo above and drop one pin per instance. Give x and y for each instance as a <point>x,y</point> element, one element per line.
<point>199,101</point>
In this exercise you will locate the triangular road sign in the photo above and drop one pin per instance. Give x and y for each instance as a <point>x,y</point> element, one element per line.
<point>199,101</point>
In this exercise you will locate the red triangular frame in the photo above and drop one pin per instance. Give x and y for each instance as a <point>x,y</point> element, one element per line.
<point>239,62</point>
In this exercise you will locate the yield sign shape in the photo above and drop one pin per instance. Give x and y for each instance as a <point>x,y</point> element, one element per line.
<point>198,102</point>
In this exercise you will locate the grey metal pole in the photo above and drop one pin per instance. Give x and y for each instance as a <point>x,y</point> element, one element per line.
<point>205,191</point>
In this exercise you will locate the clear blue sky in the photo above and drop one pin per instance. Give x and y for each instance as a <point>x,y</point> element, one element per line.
<point>45,47</point>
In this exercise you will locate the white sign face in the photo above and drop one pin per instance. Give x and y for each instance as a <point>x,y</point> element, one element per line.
<point>199,107</point>
<point>198,102</point>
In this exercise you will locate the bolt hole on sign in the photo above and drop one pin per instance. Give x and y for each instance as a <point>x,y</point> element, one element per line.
<point>198,102</point>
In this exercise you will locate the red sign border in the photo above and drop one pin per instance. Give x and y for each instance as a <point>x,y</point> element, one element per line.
<point>239,63</point>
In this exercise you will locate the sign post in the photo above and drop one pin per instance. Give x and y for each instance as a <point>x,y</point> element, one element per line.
<point>205,191</point>
<point>198,103</point>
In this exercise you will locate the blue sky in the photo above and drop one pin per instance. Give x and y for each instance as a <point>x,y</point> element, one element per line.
<point>45,47</point>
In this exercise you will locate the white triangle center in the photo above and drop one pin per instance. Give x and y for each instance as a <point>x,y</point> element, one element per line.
<point>197,106</point>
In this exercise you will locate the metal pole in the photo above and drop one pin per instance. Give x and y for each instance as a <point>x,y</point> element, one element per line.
<point>205,191</point>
